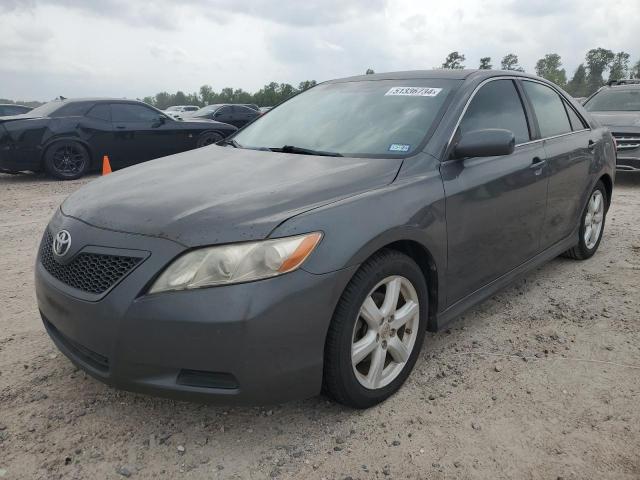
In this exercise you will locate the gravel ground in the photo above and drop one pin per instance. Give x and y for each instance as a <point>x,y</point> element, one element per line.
<point>540,381</point>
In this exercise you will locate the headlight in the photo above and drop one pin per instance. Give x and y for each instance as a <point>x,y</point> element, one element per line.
<point>241,262</point>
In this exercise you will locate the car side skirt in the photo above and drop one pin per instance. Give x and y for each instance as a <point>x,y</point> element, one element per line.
<point>447,316</point>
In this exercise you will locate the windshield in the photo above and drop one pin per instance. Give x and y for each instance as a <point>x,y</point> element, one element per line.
<point>369,117</point>
<point>46,109</point>
<point>615,101</point>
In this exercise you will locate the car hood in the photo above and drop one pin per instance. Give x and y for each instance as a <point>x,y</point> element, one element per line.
<point>221,194</point>
<point>617,119</point>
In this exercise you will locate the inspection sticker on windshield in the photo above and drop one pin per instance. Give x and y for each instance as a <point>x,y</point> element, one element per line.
<point>413,91</point>
<point>399,147</point>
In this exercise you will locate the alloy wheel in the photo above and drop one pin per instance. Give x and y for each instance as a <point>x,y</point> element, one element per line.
<point>385,332</point>
<point>594,219</point>
<point>69,160</point>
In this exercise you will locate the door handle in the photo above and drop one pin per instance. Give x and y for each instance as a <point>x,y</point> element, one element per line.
<point>537,163</point>
<point>591,145</point>
<point>120,127</point>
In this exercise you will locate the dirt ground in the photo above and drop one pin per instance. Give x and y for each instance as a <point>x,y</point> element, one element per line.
<point>540,382</point>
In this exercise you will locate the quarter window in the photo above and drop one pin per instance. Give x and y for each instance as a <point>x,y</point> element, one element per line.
<point>576,122</point>
<point>497,105</point>
<point>550,112</point>
<point>128,112</point>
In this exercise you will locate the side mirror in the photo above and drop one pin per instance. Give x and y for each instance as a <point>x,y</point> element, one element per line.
<point>489,142</point>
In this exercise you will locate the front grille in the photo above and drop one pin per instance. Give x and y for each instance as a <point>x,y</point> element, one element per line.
<point>90,272</point>
<point>627,141</point>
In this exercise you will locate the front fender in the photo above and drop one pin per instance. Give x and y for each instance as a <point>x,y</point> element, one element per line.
<point>355,228</point>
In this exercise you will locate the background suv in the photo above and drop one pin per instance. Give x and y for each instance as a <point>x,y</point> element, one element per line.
<point>617,106</point>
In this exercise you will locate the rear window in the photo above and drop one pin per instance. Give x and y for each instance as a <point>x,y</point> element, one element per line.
<point>612,100</point>
<point>75,109</point>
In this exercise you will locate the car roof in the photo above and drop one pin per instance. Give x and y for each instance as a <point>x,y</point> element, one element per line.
<point>436,73</point>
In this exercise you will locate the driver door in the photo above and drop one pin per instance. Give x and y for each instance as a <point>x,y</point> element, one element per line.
<point>495,206</point>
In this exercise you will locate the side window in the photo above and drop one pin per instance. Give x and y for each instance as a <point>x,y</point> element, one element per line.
<point>550,112</point>
<point>223,111</point>
<point>497,105</point>
<point>102,111</point>
<point>129,112</point>
<point>576,122</point>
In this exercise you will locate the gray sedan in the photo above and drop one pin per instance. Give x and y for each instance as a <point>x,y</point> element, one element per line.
<point>311,251</point>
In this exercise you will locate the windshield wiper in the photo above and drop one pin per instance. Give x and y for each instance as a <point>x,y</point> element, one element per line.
<point>305,151</point>
<point>230,141</point>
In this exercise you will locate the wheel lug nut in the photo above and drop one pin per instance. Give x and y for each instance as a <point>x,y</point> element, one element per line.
<point>407,331</point>
<point>393,332</point>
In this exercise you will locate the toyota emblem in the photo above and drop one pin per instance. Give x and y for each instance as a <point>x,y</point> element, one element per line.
<point>61,243</point>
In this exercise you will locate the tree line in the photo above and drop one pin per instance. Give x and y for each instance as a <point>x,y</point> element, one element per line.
<point>587,78</point>
<point>269,95</point>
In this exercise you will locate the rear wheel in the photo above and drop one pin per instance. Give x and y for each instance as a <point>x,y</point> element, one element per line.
<point>591,225</point>
<point>66,160</point>
<point>208,138</point>
<point>377,331</point>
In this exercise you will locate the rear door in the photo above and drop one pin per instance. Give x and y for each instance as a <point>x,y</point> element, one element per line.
<point>98,128</point>
<point>569,145</point>
<point>495,206</point>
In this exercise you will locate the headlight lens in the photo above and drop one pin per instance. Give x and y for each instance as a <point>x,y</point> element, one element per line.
<point>242,262</point>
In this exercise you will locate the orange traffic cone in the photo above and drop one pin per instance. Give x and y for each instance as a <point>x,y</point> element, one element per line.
<point>106,166</point>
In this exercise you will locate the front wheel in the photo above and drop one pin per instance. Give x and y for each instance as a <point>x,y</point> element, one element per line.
<point>208,138</point>
<point>591,225</point>
<point>66,160</point>
<point>377,331</point>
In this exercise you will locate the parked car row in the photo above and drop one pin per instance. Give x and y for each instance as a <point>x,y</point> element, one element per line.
<point>68,138</point>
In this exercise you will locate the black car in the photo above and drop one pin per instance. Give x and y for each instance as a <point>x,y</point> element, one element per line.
<point>12,109</point>
<point>68,138</point>
<point>617,106</point>
<point>315,248</point>
<point>236,115</point>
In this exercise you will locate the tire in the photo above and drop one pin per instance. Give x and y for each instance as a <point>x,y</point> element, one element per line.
<point>586,247</point>
<point>67,160</point>
<point>208,138</point>
<point>352,381</point>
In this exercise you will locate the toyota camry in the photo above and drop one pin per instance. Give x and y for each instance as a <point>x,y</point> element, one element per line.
<point>311,250</point>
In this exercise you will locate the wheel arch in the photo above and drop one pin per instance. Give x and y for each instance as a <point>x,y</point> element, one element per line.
<point>608,186</point>
<point>53,140</point>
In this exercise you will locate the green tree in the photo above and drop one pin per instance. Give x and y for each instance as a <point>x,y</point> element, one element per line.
<point>305,85</point>
<point>485,63</point>
<point>577,86</point>
<point>510,62</point>
<point>369,71</point>
<point>619,66</point>
<point>635,70</point>
<point>454,61</point>
<point>598,60</point>
<point>549,67</point>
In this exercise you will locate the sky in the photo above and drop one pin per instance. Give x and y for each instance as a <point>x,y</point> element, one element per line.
<point>136,48</point>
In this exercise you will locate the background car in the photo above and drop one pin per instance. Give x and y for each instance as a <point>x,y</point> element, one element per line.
<point>177,111</point>
<point>11,109</point>
<point>236,115</point>
<point>617,106</point>
<point>68,138</point>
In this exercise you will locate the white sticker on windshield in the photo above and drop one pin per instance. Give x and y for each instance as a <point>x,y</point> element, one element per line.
<point>413,91</point>
<point>399,147</point>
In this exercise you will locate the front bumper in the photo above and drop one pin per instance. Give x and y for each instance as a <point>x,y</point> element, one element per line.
<point>628,149</point>
<point>253,343</point>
